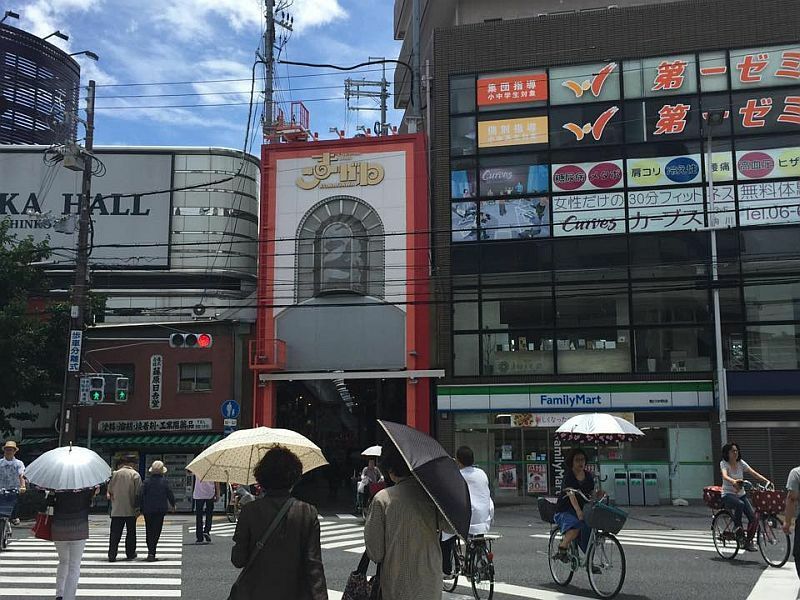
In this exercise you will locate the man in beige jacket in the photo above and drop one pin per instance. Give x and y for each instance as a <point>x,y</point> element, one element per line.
<point>123,493</point>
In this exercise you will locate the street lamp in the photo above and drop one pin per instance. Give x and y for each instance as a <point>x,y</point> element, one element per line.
<point>11,14</point>
<point>715,118</point>
<point>57,33</point>
<point>87,53</point>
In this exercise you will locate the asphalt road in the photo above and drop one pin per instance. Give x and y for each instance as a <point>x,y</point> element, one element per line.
<point>669,557</point>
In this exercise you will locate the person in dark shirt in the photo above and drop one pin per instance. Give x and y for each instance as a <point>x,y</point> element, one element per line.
<point>157,499</point>
<point>569,510</point>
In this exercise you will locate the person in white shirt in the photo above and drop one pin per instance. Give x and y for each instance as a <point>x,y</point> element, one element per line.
<point>733,469</point>
<point>480,498</point>
<point>11,474</point>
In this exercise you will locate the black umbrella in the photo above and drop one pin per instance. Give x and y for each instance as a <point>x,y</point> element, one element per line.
<point>436,472</point>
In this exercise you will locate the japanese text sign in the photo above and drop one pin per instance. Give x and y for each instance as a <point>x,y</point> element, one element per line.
<point>517,88</point>
<point>765,67</point>
<point>139,426</point>
<point>666,210</point>
<point>588,214</point>
<point>587,176</point>
<point>769,203</point>
<point>156,381</point>
<point>768,164</point>
<point>75,342</point>
<point>512,132</point>
<point>584,83</point>
<point>677,170</point>
<point>660,76</point>
<point>760,112</point>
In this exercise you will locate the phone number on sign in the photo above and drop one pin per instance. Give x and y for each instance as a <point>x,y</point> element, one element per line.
<point>770,214</point>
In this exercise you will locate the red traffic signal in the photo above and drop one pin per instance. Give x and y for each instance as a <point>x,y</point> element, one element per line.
<point>191,340</point>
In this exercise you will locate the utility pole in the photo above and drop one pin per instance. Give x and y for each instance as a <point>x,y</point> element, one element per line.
<point>361,88</point>
<point>269,70</point>
<point>68,430</point>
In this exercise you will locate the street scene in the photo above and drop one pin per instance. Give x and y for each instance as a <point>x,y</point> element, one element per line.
<point>400,300</point>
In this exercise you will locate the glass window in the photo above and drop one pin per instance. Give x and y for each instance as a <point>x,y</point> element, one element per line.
<point>514,175</point>
<point>521,352</point>
<point>591,259</point>
<point>773,347</point>
<point>521,257</point>
<point>462,94</point>
<point>582,84</point>
<point>660,76</point>
<point>464,221</point>
<point>670,302</point>
<point>462,136</point>
<point>466,355</point>
<point>674,350</point>
<point>730,304</point>
<point>466,259</point>
<point>592,305</point>
<point>194,377</point>
<point>524,304</point>
<point>569,124</point>
<point>733,348</point>
<point>714,71</point>
<point>594,351</point>
<point>662,119</point>
<point>462,179</point>
<point>763,111</point>
<point>515,218</point>
<point>465,309</point>
<point>662,255</point>
<point>772,302</point>
<point>770,250</point>
<point>716,102</point>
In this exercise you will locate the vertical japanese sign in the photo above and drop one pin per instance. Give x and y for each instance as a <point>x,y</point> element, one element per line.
<point>156,380</point>
<point>75,342</point>
<point>512,89</point>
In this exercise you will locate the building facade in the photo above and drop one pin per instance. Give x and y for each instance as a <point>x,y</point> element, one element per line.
<point>571,211</point>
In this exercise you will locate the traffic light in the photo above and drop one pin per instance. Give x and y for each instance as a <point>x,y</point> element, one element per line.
<point>121,389</point>
<point>97,388</point>
<point>191,340</point>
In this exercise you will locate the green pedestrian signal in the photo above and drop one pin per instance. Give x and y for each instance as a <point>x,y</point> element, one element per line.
<point>97,396</point>
<point>121,389</point>
<point>97,387</point>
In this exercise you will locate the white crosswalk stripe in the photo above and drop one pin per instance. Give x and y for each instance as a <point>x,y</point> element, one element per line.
<point>28,568</point>
<point>685,539</point>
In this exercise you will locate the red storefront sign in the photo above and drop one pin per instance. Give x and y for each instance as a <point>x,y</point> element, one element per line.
<point>512,89</point>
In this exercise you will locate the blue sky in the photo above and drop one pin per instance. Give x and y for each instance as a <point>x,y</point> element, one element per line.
<point>157,41</point>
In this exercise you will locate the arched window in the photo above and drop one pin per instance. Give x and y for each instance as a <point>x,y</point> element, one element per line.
<point>340,250</point>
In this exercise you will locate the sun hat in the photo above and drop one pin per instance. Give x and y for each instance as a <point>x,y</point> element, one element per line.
<point>11,444</point>
<point>158,468</point>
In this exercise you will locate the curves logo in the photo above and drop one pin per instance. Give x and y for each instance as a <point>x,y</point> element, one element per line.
<point>595,84</point>
<point>596,129</point>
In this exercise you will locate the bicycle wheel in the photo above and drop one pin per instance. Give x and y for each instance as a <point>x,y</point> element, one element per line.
<point>449,585</point>
<point>605,564</point>
<point>774,545</point>
<point>724,531</point>
<point>231,512</point>
<point>482,572</point>
<point>561,571</point>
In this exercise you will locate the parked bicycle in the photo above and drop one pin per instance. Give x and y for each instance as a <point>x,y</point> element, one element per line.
<point>475,563</point>
<point>604,558</point>
<point>767,527</point>
<point>8,499</point>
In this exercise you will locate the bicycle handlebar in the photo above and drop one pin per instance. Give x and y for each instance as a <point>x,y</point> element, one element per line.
<point>759,487</point>
<point>582,495</point>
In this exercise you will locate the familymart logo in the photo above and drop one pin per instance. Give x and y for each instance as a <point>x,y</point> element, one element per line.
<point>571,400</point>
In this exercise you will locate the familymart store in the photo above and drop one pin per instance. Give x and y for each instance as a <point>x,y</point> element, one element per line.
<point>511,429</point>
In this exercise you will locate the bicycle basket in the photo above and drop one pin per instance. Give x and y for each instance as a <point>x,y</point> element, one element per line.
<point>771,503</point>
<point>712,496</point>
<point>601,516</point>
<point>547,510</point>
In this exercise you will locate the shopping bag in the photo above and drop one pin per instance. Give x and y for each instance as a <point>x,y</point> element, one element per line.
<point>361,587</point>
<point>43,527</point>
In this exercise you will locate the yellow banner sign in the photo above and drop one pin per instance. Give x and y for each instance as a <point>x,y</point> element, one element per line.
<point>512,132</point>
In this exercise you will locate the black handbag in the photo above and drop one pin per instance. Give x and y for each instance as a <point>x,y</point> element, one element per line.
<point>237,593</point>
<point>359,586</point>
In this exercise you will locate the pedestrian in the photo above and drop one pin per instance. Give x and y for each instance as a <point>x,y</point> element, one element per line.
<point>288,566</point>
<point>370,475</point>
<point>123,493</point>
<point>11,474</point>
<point>482,505</point>
<point>70,530</point>
<point>733,469</point>
<point>569,508</point>
<point>792,512</point>
<point>205,495</point>
<point>157,499</point>
<point>402,533</point>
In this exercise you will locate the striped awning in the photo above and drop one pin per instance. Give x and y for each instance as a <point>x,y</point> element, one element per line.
<point>153,440</point>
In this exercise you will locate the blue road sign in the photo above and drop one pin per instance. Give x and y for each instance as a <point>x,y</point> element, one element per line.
<point>230,409</point>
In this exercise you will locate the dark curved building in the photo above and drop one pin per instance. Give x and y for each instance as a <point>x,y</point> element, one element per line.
<point>40,85</point>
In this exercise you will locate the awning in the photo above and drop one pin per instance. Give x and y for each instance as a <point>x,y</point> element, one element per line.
<point>157,440</point>
<point>38,441</point>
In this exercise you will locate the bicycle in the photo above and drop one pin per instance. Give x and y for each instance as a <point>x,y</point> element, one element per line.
<point>8,499</point>
<point>476,564</point>
<point>604,558</point>
<point>767,527</point>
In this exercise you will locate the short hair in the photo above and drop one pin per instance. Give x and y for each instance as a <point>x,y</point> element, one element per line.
<point>465,456</point>
<point>572,454</point>
<point>392,460</point>
<point>726,450</point>
<point>279,469</point>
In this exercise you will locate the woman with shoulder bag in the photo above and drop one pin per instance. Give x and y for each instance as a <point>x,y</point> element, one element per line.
<point>277,538</point>
<point>70,530</point>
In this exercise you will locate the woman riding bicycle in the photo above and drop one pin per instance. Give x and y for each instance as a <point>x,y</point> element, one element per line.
<point>734,497</point>
<point>569,510</point>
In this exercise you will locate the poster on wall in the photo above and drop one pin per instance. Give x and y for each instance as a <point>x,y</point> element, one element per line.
<point>464,221</point>
<point>515,219</point>
<point>512,132</point>
<point>584,83</point>
<point>769,203</point>
<point>507,475</point>
<point>588,214</point>
<point>463,184</point>
<point>506,452</point>
<point>537,479</point>
<point>666,210</point>
<point>513,88</point>
<point>677,170</point>
<point>581,177</point>
<point>768,164</point>
<point>514,180</point>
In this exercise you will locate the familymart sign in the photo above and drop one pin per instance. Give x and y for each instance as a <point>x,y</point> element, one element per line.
<point>578,397</point>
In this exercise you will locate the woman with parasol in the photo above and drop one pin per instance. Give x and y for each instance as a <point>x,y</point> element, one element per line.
<point>569,515</point>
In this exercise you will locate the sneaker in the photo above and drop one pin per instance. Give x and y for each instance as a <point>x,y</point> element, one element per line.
<point>15,521</point>
<point>112,559</point>
<point>750,547</point>
<point>561,555</point>
<point>448,576</point>
<point>207,538</point>
<point>151,558</point>
<point>131,557</point>
<point>200,541</point>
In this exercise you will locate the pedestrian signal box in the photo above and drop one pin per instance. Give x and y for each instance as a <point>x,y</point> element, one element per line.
<point>121,389</point>
<point>97,388</point>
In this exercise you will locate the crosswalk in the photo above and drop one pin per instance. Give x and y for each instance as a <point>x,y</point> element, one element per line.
<point>678,539</point>
<point>335,533</point>
<point>28,568</point>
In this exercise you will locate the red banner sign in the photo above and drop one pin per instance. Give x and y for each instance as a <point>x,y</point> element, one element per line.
<point>512,89</point>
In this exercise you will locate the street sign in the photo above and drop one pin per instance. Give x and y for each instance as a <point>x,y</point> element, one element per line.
<point>75,341</point>
<point>230,409</point>
<point>86,384</point>
<point>230,425</point>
